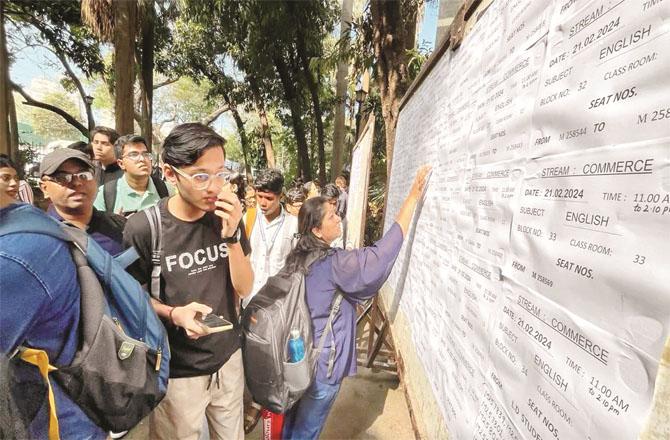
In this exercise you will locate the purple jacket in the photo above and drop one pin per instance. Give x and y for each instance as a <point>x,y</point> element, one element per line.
<point>359,274</point>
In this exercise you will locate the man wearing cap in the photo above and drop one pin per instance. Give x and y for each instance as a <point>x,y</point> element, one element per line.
<point>68,180</point>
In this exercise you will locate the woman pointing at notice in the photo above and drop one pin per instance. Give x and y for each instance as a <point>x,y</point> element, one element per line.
<point>357,274</point>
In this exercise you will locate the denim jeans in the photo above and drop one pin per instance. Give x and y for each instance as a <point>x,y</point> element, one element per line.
<point>306,419</point>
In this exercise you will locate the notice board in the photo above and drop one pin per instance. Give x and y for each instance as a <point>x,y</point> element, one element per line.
<point>359,180</point>
<point>535,280</point>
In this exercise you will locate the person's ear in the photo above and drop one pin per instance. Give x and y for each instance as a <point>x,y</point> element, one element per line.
<point>169,174</point>
<point>43,187</point>
<point>120,163</point>
<point>317,232</point>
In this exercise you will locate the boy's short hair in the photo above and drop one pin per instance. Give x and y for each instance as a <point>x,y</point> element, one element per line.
<point>109,132</point>
<point>269,180</point>
<point>187,142</point>
<point>82,146</point>
<point>125,140</point>
<point>295,195</point>
<point>330,191</point>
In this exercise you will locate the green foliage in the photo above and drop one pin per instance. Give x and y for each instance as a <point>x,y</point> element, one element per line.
<point>59,26</point>
<point>49,125</point>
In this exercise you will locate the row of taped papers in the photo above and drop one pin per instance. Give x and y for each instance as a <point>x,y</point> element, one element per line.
<point>440,305</point>
<point>561,377</point>
<point>503,123</point>
<point>605,76</point>
<point>591,222</point>
<point>485,214</point>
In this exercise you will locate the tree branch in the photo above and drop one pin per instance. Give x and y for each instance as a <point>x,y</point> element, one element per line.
<point>52,108</point>
<point>165,83</point>
<point>210,118</point>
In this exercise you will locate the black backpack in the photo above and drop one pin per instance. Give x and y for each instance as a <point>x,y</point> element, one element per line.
<point>109,192</point>
<point>267,321</point>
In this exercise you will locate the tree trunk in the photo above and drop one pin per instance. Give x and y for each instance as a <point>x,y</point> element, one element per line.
<point>125,14</point>
<point>244,140</point>
<point>5,89</point>
<point>293,101</point>
<point>394,26</point>
<point>341,94</point>
<point>13,127</point>
<point>316,105</point>
<point>266,136</point>
<point>147,72</point>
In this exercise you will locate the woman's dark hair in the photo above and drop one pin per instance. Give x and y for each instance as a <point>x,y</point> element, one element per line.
<point>330,191</point>
<point>310,216</point>
<point>269,180</point>
<point>187,142</point>
<point>6,162</point>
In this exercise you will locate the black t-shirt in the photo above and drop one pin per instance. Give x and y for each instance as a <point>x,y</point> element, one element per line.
<point>194,267</point>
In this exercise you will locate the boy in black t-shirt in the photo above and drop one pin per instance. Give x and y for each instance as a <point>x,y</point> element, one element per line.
<point>203,264</point>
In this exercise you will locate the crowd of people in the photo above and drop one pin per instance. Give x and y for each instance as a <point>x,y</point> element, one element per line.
<point>218,249</point>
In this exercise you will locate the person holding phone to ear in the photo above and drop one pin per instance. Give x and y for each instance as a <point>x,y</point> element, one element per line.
<point>204,264</point>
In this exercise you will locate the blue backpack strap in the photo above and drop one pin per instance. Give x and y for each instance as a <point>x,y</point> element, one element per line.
<point>14,221</point>
<point>127,257</point>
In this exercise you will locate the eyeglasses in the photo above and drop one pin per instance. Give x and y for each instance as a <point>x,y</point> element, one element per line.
<point>137,156</point>
<point>68,178</point>
<point>202,181</point>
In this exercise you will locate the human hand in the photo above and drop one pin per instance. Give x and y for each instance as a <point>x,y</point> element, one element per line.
<point>420,181</point>
<point>184,316</point>
<point>229,208</point>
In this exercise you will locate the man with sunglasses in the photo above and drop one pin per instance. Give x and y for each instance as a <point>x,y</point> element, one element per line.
<point>204,262</point>
<point>68,180</point>
<point>137,188</point>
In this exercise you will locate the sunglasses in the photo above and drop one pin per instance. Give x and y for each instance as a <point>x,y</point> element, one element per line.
<point>68,178</point>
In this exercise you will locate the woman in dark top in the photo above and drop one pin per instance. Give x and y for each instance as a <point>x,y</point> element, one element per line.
<point>358,274</point>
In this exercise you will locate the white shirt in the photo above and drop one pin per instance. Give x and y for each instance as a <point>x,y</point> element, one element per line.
<point>271,243</point>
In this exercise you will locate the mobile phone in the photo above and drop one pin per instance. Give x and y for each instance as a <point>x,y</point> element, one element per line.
<point>213,323</point>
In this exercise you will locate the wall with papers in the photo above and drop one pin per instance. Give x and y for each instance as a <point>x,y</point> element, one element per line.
<point>532,298</point>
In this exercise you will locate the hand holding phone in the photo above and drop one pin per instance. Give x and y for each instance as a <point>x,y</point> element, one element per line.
<point>229,208</point>
<point>212,323</point>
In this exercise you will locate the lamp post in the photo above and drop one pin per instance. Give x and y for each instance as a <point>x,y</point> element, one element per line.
<point>361,94</point>
<point>88,101</point>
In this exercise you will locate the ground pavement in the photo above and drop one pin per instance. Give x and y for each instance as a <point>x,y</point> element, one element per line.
<point>370,406</point>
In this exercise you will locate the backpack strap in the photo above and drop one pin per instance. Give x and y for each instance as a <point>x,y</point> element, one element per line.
<point>40,359</point>
<point>250,221</point>
<point>334,310</point>
<point>161,187</point>
<point>38,223</point>
<point>154,215</point>
<point>109,195</point>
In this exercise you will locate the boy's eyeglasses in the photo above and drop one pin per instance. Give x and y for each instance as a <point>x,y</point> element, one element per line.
<point>68,178</point>
<point>202,181</point>
<point>137,156</point>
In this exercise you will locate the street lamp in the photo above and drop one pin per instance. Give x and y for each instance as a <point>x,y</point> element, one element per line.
<point>361,94</point>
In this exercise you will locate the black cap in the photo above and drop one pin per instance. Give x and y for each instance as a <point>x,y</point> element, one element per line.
<point>55,159</point>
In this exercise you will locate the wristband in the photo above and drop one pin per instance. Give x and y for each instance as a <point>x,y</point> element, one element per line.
<point>235,238</point>
<point>170,315</point>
